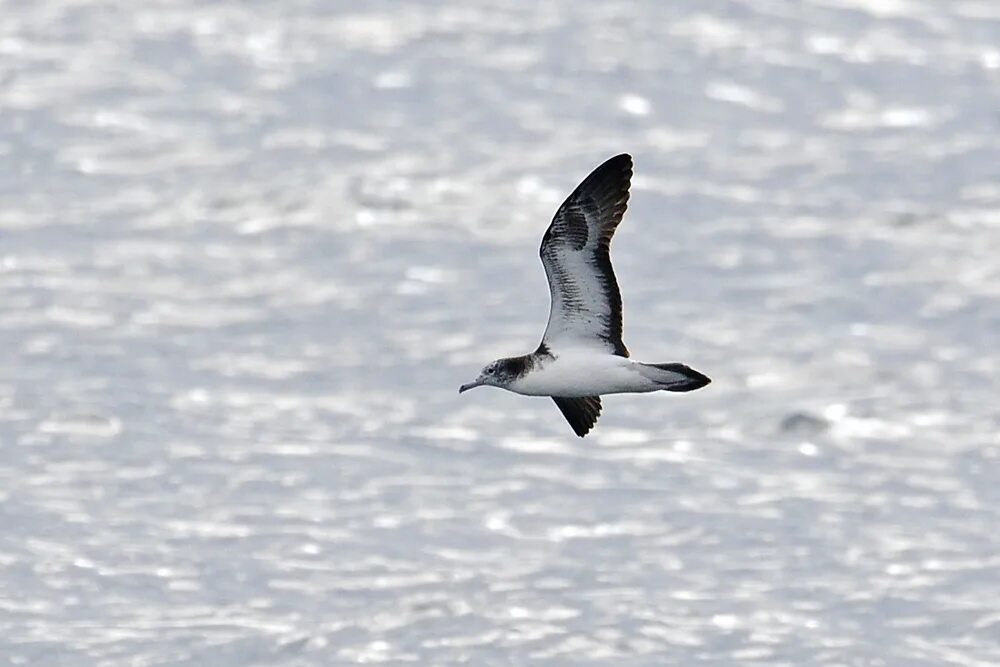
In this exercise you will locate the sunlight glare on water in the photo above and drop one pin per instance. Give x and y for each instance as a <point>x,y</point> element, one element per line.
<point>250,251</point>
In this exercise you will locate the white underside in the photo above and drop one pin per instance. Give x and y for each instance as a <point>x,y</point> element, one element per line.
<point>584,372</point>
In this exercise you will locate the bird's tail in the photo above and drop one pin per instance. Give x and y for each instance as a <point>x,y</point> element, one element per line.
<point>674,377</point>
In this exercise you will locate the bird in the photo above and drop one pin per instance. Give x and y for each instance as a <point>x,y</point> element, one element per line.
<point>581,356</point>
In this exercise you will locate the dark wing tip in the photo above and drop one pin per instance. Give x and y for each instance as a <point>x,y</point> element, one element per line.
<point>608,188</point>
<point>610,179</point>
<point>581,413</point>
<point>621,161</point>
<point>603,193</point>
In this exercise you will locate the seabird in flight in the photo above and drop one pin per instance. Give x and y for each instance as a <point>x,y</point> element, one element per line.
<point>582,355</point>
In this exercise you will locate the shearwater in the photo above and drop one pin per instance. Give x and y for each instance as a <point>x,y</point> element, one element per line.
<point>582,355</point>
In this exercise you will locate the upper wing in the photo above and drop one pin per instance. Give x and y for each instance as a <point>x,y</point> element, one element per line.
<point>586,303</point>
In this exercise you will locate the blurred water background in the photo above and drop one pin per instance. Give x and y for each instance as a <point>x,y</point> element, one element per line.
<point>249,250</point>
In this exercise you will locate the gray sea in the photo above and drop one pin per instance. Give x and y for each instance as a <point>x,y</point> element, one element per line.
<point>249,250</point>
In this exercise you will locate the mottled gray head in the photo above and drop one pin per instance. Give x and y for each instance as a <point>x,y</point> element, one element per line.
<point>499,373</point>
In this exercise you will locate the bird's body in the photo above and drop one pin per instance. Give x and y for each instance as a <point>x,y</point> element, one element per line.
<point>582,372</point>
<point>582,356</point>
<point>579,372</point>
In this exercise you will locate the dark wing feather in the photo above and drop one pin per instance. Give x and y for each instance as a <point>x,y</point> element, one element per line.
<point>581,413</point>
<point>586,307</point>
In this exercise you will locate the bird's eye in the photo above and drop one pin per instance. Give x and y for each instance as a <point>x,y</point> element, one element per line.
<point>489,371</point>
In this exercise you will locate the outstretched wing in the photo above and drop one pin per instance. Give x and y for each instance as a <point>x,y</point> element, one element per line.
<point>581,413</point>
<point>586,304</point>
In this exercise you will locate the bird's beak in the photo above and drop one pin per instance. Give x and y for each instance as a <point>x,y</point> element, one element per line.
<point>471,385</point>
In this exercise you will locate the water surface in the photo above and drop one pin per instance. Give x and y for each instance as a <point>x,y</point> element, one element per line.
<point>249,250</point>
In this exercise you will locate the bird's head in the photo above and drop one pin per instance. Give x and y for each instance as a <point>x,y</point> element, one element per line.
<point>497,373</point>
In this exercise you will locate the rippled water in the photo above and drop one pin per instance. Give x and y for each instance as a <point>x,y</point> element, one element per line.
<point>249,250</point>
